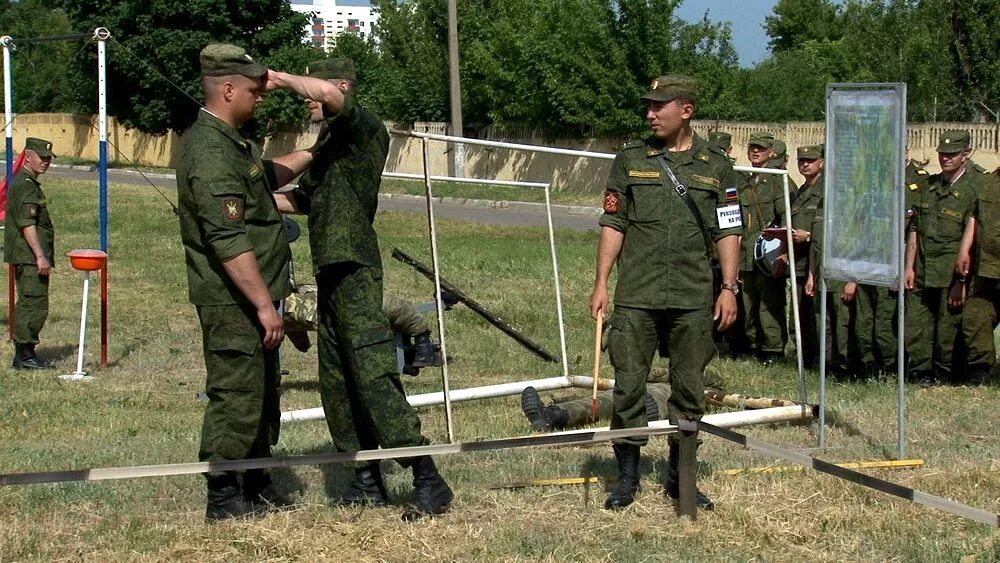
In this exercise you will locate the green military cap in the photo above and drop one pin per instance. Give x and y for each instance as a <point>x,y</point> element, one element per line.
<point>761,139</point>
<point>720,139</point>
<point>810,152</point>
<point>223,59</point>
<point>954,141</point>
<point>779,148</point>
<point>671,86</point>
<point>339,68</point>
<point>40,146</point>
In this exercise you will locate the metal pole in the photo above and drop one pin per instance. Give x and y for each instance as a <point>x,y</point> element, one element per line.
<point>555,275</point>
<point>102,35</point>
<point>8,119</point>
<point>900,322</point>
<point>83,323</point>
<point>822,362</point>
<point>455,90</point>
<point>795,291</point>
<point>437,292</point>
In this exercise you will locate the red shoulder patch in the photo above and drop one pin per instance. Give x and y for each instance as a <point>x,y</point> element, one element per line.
<point>610,202</point>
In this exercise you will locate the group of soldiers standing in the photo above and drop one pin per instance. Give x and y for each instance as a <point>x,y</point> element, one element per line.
<point>951,266</point>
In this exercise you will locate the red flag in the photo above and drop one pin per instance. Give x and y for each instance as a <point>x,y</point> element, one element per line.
<point>18,163</point>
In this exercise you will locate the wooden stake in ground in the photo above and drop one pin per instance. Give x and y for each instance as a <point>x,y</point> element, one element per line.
<point>595,409</point>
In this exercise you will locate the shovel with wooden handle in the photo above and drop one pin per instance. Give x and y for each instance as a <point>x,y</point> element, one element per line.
<point>595,409</point>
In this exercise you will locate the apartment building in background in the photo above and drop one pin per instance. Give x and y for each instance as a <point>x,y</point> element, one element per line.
<point>330,18</point>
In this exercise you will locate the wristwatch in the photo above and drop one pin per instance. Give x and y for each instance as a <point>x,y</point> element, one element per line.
<point>734,287</point>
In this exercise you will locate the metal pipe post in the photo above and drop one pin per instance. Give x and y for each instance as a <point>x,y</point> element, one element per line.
<point>437,291</point>
<point>803,398</point>
<point>555,275</point>
<point>822,362</point>
<point>102,35</point>
<point>8,119</point>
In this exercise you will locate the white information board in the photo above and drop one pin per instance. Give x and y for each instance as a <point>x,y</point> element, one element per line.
<point>863,192</point>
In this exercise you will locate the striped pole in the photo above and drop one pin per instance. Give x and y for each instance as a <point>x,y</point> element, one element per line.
<point>102,35</point>
<point>8,119</point>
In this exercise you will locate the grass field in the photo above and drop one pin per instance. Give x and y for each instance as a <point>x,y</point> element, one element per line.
<point>142,410</point>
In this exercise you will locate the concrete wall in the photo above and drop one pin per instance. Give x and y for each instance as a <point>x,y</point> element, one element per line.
<point>76,135</point>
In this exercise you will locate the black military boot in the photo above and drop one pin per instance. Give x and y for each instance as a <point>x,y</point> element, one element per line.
<point>628,477</point>
<point>923,378</point>
<point>671,481</point>
<point>260,492</point>
<point>557,417</point>
<point>366,488</point>
<point>431,494</point>
<point>25,358</point>
<point>225,500</point>
<point>534,409</point>
<point>425,352</point>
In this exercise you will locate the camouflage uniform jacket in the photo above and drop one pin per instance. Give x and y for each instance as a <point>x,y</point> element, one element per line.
<point>343,184</point>
<point>941,213</point>
<point>664,261</point>
<point>26,206</point>
<point>762,202</point>
<point>987,212</point>
<point>225,209</point>
<point>806,203</point>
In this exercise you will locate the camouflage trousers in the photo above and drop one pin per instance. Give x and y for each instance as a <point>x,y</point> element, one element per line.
<point>32,308</point>
<point>362,395</point>
<point>980,319</point>
<point>876,313</point>
<point>657,385</point>
<point>243,416</point>
<point>635,336</point>
<point>841,348</point>
<point>933,333</point>
<point>301,316</point>
<point>808,323</point>
<point>763,300</point>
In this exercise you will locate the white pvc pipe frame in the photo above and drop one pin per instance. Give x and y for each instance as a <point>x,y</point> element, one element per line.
<point>505,389</point>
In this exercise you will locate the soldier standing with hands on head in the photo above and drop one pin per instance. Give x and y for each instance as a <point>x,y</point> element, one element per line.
<point>360,385</point>
<point>669,198</point>
<point>29,244</point>
<point>237,267</point>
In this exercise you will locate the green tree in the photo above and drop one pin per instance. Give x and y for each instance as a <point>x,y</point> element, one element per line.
<point>39,69</point>
<point>975,50</point>
<point>794,22</point>
<point>153,62</point>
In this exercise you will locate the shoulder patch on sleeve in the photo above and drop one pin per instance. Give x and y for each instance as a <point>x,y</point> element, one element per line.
<point>611,201</point>
<point>232,208</point>
<point>31,209</point>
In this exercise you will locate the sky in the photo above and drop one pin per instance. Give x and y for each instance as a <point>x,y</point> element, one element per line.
<point>746,18</point>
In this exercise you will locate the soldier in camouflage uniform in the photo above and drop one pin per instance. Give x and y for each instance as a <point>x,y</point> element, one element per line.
<point>981,311</point>
<point>29,244</point>
<point>237,268</point>
<point>576,413</point>
<point>362,395</point>
<point>944,207</point>
<point>659,232</point>
<point>805,204</point>
<point>724,141</point>
<point>763,295</point>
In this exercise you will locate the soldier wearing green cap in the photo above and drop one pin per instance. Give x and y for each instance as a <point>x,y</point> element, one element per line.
<point>360,386</point>
<point>763,295</point>
<point>237,267</point>
<point>938,263</point>
<point>29,239</point>
<point>722,140</point>
<point>670,199</point>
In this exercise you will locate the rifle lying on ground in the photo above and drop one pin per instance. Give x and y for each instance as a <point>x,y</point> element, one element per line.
<point>482,311</point>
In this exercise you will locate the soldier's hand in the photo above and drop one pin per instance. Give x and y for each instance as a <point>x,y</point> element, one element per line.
<point>956,296</point>
<point>273,325</point>
<point>599,302</point>
<point>271,81</point>
<point>963,264</point>
<point>849,293</point>
<point>725,310</point>
<point>810,287</point>
<point>44,268</point>
<point>910,278</point>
